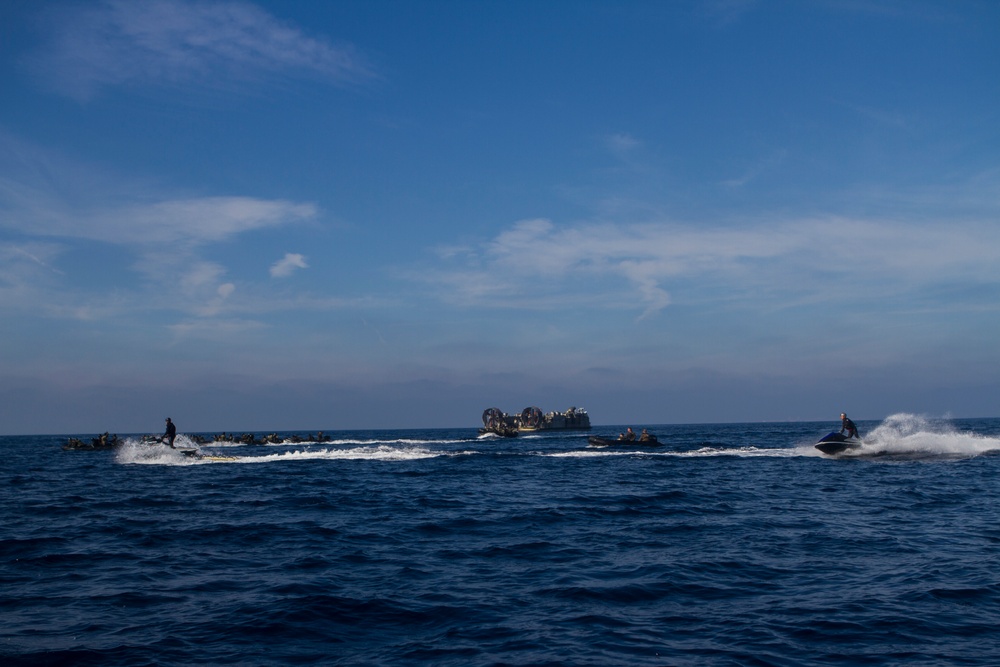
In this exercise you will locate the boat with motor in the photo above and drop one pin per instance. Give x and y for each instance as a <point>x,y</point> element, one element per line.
<point>598,441</point>
<point>98,443</point>
<point>837,443</point>
<point>532,419</point>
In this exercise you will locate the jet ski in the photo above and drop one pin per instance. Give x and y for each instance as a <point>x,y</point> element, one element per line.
<point>836,443</point>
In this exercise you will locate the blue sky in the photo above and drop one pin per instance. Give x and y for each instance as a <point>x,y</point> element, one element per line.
<point>304,215</point>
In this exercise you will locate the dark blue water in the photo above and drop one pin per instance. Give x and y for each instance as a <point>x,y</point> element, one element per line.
<point>729,545</point>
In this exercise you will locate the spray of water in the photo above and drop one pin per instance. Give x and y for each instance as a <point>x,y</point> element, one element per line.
<point>915,434</point>
<point>135,450</point>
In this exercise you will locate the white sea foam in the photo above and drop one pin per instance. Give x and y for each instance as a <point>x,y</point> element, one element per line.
<point>337,442</point>
<point>704,452</point>
<point>588,453</point>
<point>134,450</point>
<point>743,452</point>
<point>375,453</point>
<point>138,452</point>
<point>396,441</point>
<point>908,434</point>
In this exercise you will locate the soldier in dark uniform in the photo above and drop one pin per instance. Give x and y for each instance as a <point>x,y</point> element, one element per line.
<point>170,433</point>
<point>847,425</point>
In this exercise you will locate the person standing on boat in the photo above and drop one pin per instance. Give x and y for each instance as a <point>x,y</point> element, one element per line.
<point>170,433</point>
<point>847,425</point>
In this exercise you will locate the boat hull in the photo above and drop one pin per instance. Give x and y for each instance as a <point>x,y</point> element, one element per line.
<point>836,443</point>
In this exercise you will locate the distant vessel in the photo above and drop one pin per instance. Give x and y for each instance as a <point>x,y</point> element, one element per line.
<point>533,419</point>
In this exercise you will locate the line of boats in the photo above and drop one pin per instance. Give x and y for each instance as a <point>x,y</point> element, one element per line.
<point>106,441</point>
<point>495,421</point>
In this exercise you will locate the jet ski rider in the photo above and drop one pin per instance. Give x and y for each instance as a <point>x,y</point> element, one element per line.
<point>847,425</point>
<point>170,433</point>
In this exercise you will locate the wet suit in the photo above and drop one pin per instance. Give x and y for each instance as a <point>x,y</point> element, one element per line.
<point>847,425</point>
<point>170,434</point>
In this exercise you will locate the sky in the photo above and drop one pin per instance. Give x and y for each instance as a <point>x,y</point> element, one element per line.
<point>388,214</point>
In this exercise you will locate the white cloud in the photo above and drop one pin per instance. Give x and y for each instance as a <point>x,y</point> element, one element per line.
<point>285,266</point>
<point>34,254</point>
<point>621,143</point>
<point>726,12</point>
<point>174,221</point>
<point>51,201</point>
<point>891,119</point>
<point>761,166</point>
<point>767,263</point>
<point>24,269</point>
<point>119,42</point>
<point>214,304</point>
<point>222,330</point>
<point>198,220</point>
<point>44,194</point>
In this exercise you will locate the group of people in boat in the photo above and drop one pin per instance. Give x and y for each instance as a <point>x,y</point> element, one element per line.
<point>630,436</point>
<point>104,441</point>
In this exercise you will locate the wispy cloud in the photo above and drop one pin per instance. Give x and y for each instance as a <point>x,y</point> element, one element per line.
<point>891,119</point>
<point>49,206</point>
<point>177,42</point>
<point>287,265</point>
<point>24,266</point>
<point>220,329</point>
<point>771,264</point>
<point>192,222</point>
<point>726,12</point>
<point>39,255</point>
<point>761,166</point>
<point>621,144</point>
<point>44,194</point>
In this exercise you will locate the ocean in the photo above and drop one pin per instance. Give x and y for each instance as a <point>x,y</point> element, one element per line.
<point>730,544</point>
